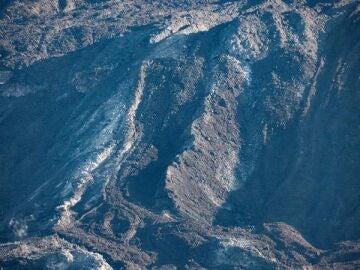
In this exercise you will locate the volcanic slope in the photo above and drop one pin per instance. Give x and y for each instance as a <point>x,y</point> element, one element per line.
<point>182,135</point>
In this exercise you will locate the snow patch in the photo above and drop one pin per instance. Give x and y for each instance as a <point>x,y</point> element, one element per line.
<point>86,175</point>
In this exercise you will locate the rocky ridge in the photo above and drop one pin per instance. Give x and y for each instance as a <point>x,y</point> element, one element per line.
<point>190,135</point>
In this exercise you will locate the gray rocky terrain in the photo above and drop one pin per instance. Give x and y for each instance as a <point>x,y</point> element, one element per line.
<point>186,134</point>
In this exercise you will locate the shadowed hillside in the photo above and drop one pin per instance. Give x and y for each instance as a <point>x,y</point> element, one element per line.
<point>179,135</point>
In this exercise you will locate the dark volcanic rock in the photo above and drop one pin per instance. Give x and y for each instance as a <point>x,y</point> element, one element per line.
<point>179,135</point>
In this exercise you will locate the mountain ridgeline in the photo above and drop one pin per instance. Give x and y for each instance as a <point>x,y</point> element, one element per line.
<point>185,135</point>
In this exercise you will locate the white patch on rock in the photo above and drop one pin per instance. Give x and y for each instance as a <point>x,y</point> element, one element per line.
<point>199,20</point>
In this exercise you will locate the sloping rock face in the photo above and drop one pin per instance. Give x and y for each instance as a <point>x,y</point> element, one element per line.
<point>179,134</point>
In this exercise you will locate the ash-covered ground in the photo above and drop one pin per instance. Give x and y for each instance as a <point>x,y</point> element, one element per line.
<point>179,134</point>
